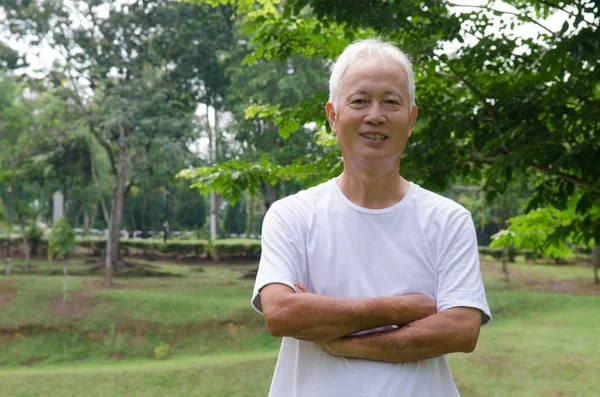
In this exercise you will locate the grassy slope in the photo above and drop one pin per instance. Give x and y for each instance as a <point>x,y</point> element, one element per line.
<point>538,345</point>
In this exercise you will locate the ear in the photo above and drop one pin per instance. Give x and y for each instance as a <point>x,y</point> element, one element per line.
<point>413,118</point>
<point>331,116</point>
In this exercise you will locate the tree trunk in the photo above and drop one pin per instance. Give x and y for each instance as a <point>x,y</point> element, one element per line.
<point>212,148</point>
<point>251,214</point>
<point>7,253</point>
<point>26,248</point>
<point>505,254</point>
<point>23,229</point>
<point>98,190</point>
<point>268,194</point>
<point>596,265</point>
<point>114,230</point>
<point>86,222</point>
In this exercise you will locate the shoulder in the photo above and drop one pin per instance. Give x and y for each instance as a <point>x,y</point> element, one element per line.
<point>438,213</point>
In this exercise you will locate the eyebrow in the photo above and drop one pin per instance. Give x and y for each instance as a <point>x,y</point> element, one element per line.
<point>395,93</point>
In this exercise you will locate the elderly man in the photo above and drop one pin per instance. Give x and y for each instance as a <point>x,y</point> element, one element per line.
<point>370,279</point>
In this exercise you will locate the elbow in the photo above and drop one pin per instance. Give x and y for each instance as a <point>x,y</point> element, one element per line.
<point>469,342</point>
<point>469,346</point>
<point>276,322</point>
<point>274,327</point>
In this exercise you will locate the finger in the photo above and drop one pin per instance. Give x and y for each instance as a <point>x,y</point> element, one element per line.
<point>300,288</point>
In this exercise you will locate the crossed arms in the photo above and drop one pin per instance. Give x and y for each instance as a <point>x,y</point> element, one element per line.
<point>327,321</point>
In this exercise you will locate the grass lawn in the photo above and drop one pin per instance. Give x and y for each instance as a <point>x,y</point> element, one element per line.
<point>102,342</point>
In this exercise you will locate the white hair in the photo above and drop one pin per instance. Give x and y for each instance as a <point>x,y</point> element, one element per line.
<point>368,48</point>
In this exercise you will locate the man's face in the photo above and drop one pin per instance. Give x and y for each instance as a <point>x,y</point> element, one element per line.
<point>373,119</point>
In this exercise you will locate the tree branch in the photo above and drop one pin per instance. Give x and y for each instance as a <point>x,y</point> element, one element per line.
<point>494,10</point>
<point>97,184</point>
<point>569,13</point>
<point>489,109</point>
<point>106,146</point>
<point>175,34</point>
<point>569,178</point>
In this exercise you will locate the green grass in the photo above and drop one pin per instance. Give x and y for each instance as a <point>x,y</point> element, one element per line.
<point>539,344</point>
<point>30,307</point>
<point>240,374</point>
<point>541,350</point>
<point>204,313</point>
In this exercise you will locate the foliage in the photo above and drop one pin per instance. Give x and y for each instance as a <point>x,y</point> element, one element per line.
<point>132,79</point>
<point>162,351</point>
<point>115,342</point>
<point>61,241</point>
<point>514,108</point>
<point>35,235</point>
<point>226,248</point>
<point>231,178</point>
<point>538,230</point>
<point>236,218</point>
<point>235,249</point>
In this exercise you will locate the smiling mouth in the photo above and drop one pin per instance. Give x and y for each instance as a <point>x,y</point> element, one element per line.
<point>374,137</point>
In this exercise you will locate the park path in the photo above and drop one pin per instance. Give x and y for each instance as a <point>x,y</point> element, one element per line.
<point>107,367</point>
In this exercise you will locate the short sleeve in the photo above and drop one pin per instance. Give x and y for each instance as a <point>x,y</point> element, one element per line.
<point>282,252</point>
<point>458,274</point>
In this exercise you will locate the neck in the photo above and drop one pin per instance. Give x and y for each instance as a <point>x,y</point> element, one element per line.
<point>373,188</point>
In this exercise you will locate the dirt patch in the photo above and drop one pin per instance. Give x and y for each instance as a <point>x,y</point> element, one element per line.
<point>529,280</point>
<point>99,284</point>
<point>79,305</point>
<point>574,287</point>
<point>7,293</point>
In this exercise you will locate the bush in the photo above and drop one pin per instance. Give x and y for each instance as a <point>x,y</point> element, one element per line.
<point>96,244</point>
<point>237,248</point>
<point>36,238</point>
<point>14,240</point>
<point>61,241</point>
<point>162,351</point>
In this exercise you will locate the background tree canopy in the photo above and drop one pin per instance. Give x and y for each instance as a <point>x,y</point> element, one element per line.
<point>496,107</point>
<point>508,99</point>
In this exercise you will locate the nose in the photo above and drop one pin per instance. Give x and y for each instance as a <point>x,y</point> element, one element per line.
<point>375,114</point>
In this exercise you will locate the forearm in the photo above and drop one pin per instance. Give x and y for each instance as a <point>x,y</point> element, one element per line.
<point>454,330</point>
<point>324,318</point>
<point>315,317</point>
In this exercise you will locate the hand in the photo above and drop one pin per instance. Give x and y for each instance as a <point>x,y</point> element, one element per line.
<point>300,288</point>
<point>335,347</point>
<point>420,306</point>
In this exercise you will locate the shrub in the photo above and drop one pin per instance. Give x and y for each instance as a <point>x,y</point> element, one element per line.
<point>237,248</point>
<point>61,241</point>
<point>162,351</point>
<point>96,244</point>
<point>115,342</point>
<point>35,235</point>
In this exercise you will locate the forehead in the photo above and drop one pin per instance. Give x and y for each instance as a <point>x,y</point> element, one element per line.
<point>372,74</point>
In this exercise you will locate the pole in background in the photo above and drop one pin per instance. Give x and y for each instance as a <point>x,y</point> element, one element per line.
<point>8,226</point>
<point>213,159</point>
<point>166,223</point>
<point>57,206</point>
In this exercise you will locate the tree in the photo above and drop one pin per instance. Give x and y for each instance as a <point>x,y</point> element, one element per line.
<point>16,154</point>
<point>514,107</point>
<point>236,218</point>
<point>130,133</point>
<point>134,75</point>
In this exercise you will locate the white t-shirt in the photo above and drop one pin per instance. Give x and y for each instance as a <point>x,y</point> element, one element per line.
<point>423,244</point>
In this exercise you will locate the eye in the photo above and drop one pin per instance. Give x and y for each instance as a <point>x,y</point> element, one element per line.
<point>359,101</point>
<point>392,102</point>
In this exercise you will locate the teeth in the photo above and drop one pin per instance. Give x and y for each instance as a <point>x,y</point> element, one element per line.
<point>375,137</point>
